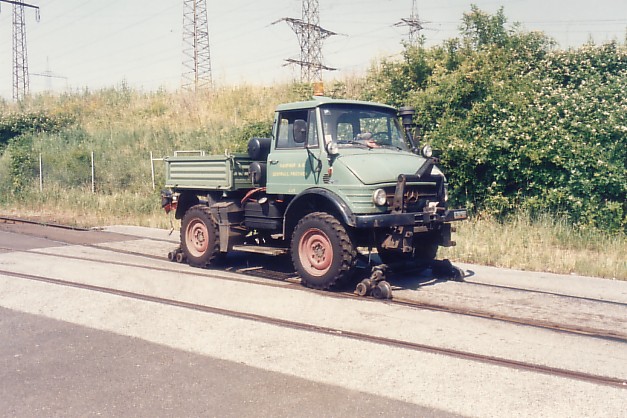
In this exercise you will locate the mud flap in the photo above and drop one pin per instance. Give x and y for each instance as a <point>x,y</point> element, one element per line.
<point>228,215</point>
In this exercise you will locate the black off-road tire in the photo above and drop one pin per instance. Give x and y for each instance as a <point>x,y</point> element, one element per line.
<point>200,240</point>
<point>322,251</point>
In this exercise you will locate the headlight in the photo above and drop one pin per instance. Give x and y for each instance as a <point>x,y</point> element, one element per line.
<point>332,148</point>
<point>427,151</point>
<point>379,197</point>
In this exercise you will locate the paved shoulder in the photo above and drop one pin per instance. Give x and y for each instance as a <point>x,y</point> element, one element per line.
<point>54,368</point>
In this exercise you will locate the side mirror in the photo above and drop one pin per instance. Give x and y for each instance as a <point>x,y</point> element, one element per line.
<point>300,131</point>
<point>407,117</point>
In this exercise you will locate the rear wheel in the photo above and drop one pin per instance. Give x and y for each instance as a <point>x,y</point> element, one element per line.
<point>322,251</point>
<point>200,241</point>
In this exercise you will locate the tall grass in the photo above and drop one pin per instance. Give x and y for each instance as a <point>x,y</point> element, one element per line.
<point>541,243</point>
<point>81,207</point>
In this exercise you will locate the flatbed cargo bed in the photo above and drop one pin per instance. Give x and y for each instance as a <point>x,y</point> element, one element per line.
<point>208,172</point>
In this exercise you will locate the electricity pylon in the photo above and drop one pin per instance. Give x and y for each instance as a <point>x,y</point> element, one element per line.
<point>310,36</point>
<point>414,23</point>
<point>20,56</point>
<point>49,75</point>
<point>196,56</point>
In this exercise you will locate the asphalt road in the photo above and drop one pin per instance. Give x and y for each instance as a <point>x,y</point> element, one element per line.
<point>54,368</point>
<point>71,352</point>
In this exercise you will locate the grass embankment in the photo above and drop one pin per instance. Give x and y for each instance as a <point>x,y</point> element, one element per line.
<point>544,244</point>
<point>121,127</point>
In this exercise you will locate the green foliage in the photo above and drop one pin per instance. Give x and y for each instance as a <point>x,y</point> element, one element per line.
<point>13,124</point>
<point>520,125</point>
<point>22,164</point>
<point>302,91</point>
<point>480,29</point>
<point>252,130</point>
<point>389,81</point>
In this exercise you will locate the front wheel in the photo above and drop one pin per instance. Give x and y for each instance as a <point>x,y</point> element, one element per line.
<point>322,251</point>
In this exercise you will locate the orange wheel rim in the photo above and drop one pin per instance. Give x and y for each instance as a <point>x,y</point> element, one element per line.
<point>196,237</point>
<point>315,252</point>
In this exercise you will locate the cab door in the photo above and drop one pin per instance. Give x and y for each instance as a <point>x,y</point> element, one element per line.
<point>295,162</point>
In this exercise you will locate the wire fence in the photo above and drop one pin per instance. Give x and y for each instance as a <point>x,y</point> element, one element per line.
<point>100,173</point>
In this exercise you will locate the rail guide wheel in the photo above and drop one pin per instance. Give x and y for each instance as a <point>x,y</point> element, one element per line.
<point>177,255</point>
<point>172,255</point>
<point>375,285</point>
<point>382,290</point>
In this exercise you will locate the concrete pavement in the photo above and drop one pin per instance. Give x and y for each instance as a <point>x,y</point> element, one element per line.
<point>403,377</point>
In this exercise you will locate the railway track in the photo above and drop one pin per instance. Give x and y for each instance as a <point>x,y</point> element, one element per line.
<point>283,278</point>
<point>287,279</point>
<point>542,292</point>
<point>340,333</point>
<point>17,221</point>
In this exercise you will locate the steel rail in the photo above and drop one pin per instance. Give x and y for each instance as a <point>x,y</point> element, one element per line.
<point>262,271</point>
<point>549,325</point>
<point>544,292</point>
<point>12,220</point>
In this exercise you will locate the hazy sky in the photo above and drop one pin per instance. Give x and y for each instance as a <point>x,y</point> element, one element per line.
<point>95,44</point>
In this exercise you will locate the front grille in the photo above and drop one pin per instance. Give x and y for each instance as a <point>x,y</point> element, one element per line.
<point>415,197</point>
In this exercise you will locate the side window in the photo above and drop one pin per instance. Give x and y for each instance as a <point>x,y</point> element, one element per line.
<point>285,136</point>
<point>281,141</point>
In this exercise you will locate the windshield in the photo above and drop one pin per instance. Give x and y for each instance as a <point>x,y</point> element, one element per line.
<point>362,125</point>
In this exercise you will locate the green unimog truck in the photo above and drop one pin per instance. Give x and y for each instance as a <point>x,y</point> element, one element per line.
<point>338,179</point>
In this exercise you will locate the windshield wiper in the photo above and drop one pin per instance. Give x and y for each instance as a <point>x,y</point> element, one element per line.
<point>396,147</point>
<point>352,142</point>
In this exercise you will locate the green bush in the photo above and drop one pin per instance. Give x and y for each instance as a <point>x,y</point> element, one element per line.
<point>252,130</point>
<point>22,164</point>
<point>519,124</point>
<point>13,124</point>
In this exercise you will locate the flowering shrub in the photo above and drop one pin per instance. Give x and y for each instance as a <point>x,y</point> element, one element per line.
<point>520,124</point>
<point>14,124</point>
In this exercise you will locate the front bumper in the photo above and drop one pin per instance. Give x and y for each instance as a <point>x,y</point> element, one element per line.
<point>416,218</point>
